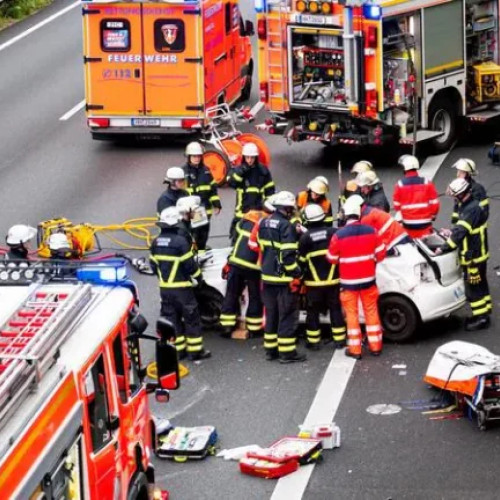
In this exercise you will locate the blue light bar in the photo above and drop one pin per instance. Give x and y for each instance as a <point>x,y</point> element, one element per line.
<point>260,5</point>
<point>111,272</point>
<point>371,11</point>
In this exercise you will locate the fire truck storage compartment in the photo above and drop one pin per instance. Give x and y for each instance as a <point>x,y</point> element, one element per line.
<point>317,63</point>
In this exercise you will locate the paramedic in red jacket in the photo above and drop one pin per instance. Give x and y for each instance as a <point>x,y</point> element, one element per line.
<point>357,248</point>
<point>416,199</point>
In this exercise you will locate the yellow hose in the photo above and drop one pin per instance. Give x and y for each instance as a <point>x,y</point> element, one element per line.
<point>139,228</point>
<point>152,372</point>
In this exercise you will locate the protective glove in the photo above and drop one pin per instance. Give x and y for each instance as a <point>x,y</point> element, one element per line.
<point>225,271</point>
<point>473,276</point>
<point>295,285</point>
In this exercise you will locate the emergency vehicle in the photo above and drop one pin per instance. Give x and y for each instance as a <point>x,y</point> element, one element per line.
<point>356,72</point>
<point>74,415</point>
<point>154,67</point>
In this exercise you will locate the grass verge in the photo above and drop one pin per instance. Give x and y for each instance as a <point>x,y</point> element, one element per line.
<point>12,11</point>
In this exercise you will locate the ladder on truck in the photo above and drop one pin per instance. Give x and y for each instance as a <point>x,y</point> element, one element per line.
<point>277,56</point>
<point>31,337</point>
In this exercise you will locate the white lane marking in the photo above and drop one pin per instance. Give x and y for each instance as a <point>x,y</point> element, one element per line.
<point>322,411</point>
<point>72,111</point>
<point>431,165</point>
<point>38,26</point>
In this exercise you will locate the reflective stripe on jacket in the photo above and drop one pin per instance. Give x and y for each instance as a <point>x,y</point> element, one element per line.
<point>201,183</point>
<point>242,254</point>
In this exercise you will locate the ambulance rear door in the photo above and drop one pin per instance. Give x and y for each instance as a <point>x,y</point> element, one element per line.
<point>173,59</point>
<point>113,59</point>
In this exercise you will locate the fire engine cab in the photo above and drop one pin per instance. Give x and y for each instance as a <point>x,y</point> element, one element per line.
<point>361,72</point>
<point>74,415</point>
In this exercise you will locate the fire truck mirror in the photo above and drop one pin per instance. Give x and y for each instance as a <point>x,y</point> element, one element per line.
<point>249,29</point>
<point>113,423</point>
<point>138,322</point>
<point>167,365</point>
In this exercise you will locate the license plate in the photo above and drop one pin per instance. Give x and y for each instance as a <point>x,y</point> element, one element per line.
<point>308,19</point>
<point>145,122</point>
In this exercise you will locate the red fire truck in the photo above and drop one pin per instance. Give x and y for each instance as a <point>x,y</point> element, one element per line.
<point>74,415</point>
<point>361,72</point>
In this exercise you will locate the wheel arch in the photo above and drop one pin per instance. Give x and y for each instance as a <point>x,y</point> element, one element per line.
<point>451,94</point>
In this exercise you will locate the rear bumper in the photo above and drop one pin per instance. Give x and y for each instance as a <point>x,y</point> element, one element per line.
<point>114,132</point>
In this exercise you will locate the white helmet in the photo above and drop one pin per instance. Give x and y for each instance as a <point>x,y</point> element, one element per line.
<point>317,186</point>
<point>409,162</point>
<point>466,165</point>
<point>457,187</point>
<point>250,149</point>
<point>59,241</point>
<point>324,180</point>
<point>174,174</point>
<point>186,204</point>
<point>368,178</point>
<point>352,205</point>
<point>20,233</point>
<point>361,166</point>
<point>194,149</point>
<point>170,216</point>
<point>284,199</point>
<point>313,213</point>
<point>269,203</point>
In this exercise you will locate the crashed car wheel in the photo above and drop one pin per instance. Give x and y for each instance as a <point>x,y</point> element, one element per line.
<point>399,318</point>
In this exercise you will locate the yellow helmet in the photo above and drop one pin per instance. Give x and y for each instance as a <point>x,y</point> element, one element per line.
<point>318,187</point>
<point>361,166</point>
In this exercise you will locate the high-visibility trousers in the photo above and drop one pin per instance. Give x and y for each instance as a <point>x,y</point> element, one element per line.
<point>350,303</point>
<point>478,292</point>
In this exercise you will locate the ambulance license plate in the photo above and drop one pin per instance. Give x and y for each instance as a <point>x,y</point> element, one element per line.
<point>145,122</point>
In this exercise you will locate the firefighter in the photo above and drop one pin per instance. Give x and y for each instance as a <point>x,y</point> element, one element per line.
<point>200,182</point>
<point>466,169</point>
<point>316,193</point>
<point>18,240</point>
<point>415,199</point>
<point>269,208</point>
<point>357,248</point>
<point>253,184</point>
<point>188,207</point>
<point>471,236</point>
<point>172,260</point>
<point>372,190</point>
<point>351,187</point>
<point>321,278</point>
<point>243,271</point>
<point>281,280</point>
<point>175,178</point>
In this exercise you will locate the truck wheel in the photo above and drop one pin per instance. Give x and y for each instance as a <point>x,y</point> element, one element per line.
<point>247,87</point>
<point>217,162</point>
<point>209,304</point>
<point>399,318</point>
<point>443,117</point>
<point>138,489</point>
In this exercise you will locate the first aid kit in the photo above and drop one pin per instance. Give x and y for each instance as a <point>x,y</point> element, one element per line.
<point>183,443</point>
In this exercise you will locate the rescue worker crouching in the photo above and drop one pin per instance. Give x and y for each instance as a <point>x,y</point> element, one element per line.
<point>470,234</point>
<point>175,178</point>
<point>321,279</point>
<point>172,259</point>
<point>415,199</point>
<point>466,169</point>
<point>372,191</point>
<point>199,181</point>
<point>18,240</point>
<point>281,280</point>
<point>357,248</point>
<point>253,184</point>
<point>243,272</point>
<point>316,192</point>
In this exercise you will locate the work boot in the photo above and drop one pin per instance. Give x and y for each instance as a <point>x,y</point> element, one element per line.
<point>181,355</point>
<point>198,356</point>
<point>340,344</point>
<point>271,354</point>
<point>313,347</point>
<point>257,334</point>
<point>351,355</point>
<point>225,332</point>
<point>477,323</point>
<point>292,357</point>
<point>376,353</point>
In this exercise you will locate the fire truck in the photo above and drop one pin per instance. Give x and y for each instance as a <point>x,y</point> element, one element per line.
<point>357,72</point>
<point>74,416</point>
<point>154,67</point>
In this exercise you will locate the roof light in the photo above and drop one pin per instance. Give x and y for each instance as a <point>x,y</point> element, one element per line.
<point>313,7</point>
<point>103,273</point>
<point>260,5</point>
<point>372,11</point>
<point>301,6</point>
<point>326,8</point>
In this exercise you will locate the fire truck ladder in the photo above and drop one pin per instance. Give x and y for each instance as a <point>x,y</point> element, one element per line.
<point>276,15</point>
<point>30,339</point>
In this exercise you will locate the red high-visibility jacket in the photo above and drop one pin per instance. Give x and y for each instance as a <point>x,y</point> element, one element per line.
<point>356,248</point>
<point>390,231</point>
<point>417,200</point>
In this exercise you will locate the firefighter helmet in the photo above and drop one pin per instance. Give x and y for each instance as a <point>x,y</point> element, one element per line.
<point>284,199</point>
<point>174,174</point>
<point>269,204</point>
<point>169,217</point>
<point>313,213</point>
<point>249,149</point>
<point>20,233</point>
<point>194,149</point>
<point>361,166</point>
<point>352,205</point>
<point>318,187</point>
<point>408,162</point>
<point>58,241</point>
<point>466,165</point>
<point>324,180</point>
<point>458,187</point>
<point>367,179</point>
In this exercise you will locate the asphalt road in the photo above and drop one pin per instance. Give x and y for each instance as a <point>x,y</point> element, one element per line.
<point>52,168</point>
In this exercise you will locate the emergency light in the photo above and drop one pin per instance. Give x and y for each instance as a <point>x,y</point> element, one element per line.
<point>372,11</point>
<point>103,273</point>
<point>260,5</point>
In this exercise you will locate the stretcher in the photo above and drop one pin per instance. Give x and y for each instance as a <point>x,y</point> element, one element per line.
<point>472,374</point>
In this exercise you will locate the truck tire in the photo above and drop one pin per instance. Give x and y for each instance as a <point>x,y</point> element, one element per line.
<point>443,116</point>
<point>217,162</point>
<point>399,318</point>
<point>138,489</point>
<point>246,91</point>
<point>210,305</point>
